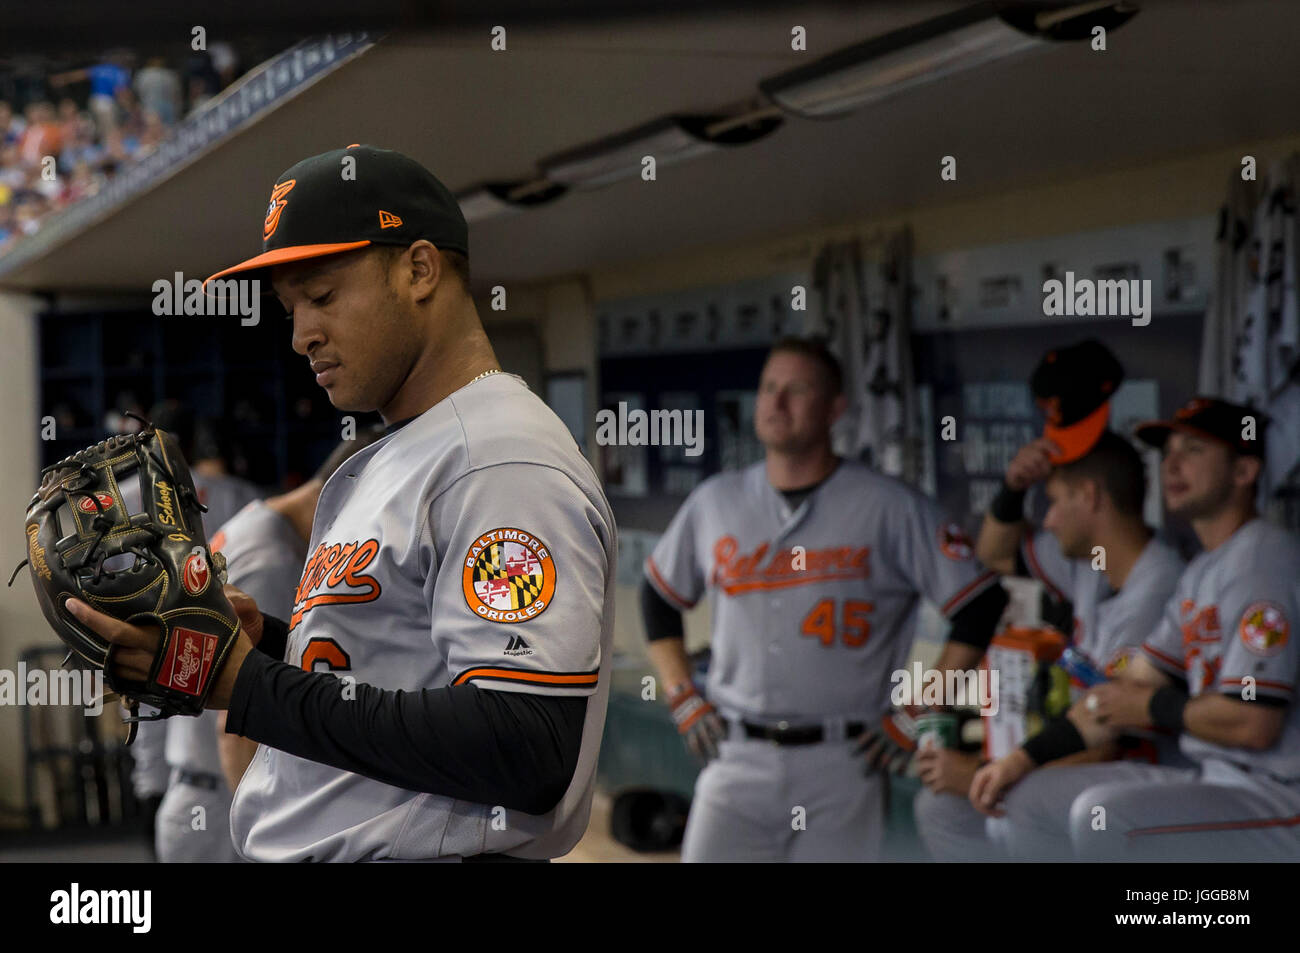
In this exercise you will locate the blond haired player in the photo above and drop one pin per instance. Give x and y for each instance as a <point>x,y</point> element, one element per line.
<point>816,566</point>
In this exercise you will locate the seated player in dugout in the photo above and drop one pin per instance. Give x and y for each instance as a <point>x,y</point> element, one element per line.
<point>1218,671</point>
<point>816,566</point>
<point>1095,555</point>
<point>438,692</point>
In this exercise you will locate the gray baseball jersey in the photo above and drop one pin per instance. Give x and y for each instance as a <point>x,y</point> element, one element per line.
<point>1228,630</point>
<point>471,546</point>
<point>264,557</point>
<point>1109,626</point>
<point>813,608</point>
<point>224,496</point>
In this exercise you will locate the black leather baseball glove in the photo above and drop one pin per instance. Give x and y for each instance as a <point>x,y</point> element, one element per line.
<point>119,526</point>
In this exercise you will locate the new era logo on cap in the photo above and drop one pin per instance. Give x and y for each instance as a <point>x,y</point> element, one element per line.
<point>388,220</point>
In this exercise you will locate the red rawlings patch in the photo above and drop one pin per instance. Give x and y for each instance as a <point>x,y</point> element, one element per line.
<point>188,661</point>
<point>195,575</point>
<point>87,505</point>
<point>1264,628</point>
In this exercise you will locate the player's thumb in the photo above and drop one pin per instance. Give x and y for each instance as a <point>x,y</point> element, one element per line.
<point>250,617</point>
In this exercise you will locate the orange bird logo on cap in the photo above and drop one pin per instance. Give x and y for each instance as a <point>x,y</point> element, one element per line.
<point>276,207</point>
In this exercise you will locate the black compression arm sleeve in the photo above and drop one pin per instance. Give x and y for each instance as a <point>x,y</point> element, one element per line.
<point>514,749</point>
<point>275,637</point>
<point>975,623</point>
<point>661,618</point>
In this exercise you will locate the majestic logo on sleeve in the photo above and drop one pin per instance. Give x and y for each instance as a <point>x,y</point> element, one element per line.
<point>333,575</point>
<point>954,543</point>
<point>1264,629</point>
<point>509,576</point>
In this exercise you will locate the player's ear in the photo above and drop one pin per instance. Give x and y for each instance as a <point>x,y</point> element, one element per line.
<point>1092,491</point>
<point>426,269</point>
<point>1246,470</point>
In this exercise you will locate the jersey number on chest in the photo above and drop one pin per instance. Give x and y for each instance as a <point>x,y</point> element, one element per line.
<point>326,651</point>
<point>825,621</point>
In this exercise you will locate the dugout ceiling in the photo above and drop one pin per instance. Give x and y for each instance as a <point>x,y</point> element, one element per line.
<point>1181,78</point>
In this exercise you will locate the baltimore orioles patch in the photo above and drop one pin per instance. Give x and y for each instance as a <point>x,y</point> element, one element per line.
<point>954,543</point>
<point>509,576</point>
<point>1264,629</point>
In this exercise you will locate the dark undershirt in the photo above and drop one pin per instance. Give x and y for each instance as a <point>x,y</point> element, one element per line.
<point>515,749</point>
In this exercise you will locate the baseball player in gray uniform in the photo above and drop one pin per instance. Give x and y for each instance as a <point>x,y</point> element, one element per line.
<point>183,750</point>
<point>816,566</point>
<point>439,690</point>
<point>1096,491</point>
<point>1219,669</point>
<point>265,544</point>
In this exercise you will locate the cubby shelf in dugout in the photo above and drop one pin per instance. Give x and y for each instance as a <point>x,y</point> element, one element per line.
<point>280,423</point>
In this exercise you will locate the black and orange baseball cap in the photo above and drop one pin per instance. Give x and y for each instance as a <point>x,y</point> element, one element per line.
<point>325,205</point>
<point>1213,418</point>
<point>1073,387</point>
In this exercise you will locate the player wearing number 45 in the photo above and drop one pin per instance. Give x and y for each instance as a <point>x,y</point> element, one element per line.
<point>816,566</point>
<point>1218,670</point>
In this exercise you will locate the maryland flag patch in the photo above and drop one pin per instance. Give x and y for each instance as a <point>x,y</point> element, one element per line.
<point>509,576</point>
<point>1264,628</point>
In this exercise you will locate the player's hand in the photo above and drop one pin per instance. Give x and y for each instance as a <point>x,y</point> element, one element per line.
<point>137,647</point>
<point>946,771</point>
<point>1118,705</point>
<point>993,780</point>
<point>890,746</point>
<point>1031,464</point>
<point>697,721</point>
<point>250,616</point>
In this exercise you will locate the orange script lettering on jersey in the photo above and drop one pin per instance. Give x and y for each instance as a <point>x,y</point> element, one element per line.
<point>735,572</point>
<point>333,575</point>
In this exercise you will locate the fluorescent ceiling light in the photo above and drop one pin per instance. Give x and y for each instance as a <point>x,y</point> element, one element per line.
<point>617,157</point>
<point>873,70</point>
<point>502,199</point>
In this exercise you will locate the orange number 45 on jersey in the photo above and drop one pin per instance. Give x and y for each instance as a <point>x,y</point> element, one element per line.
<point>854,627</point>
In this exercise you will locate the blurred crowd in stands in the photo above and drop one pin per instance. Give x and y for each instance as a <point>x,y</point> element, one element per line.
<point>64,132</point>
